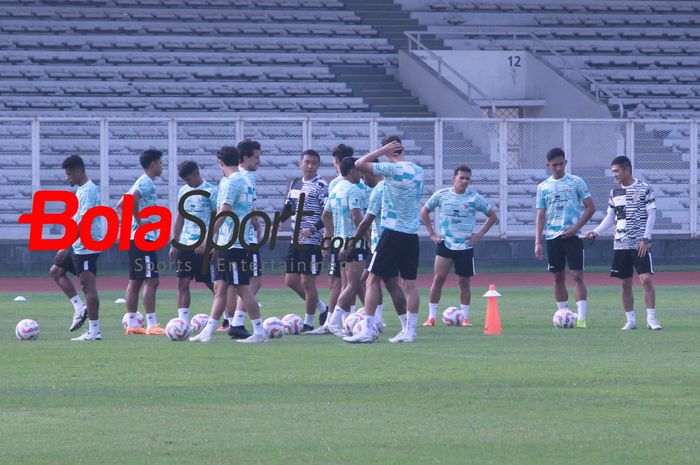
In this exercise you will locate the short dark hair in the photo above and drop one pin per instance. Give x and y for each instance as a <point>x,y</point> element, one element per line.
<point>462,168</point>
<point>311,153</point>
<point>623,162</point>
<point>149,156</point>
<point>247,147</point>
<point>555,153</point>
<point>186,168</point>
<point>347,165</point>
<point>393,138</point>
<point>229,155</point>
<point>342,151</point>
<point>73,162</point>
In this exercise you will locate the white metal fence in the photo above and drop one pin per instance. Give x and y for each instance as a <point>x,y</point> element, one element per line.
<point>507,157</point>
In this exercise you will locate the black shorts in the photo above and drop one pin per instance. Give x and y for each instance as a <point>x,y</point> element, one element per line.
<point>233,267</point>
<point>624,261</point>
<point>463,259</point>
<point>562,251</point>
<point>356,255</point>
<point>76,264</point>
<point>306,260</point>
<point>255,264</point>
<point>188,264</point>
<point>396,253</point>
<point>142,265</point>
<point>334,263</point>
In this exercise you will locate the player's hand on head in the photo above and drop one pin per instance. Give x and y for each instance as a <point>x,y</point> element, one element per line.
<point>392,147</point>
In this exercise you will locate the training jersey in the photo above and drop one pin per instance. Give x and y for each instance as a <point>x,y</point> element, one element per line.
<point>149,198</point>
<point>88,196</point>
<point>238,193</point>
<point>316,194</point>
<point>251,236</point>
<point>374,207</point>
<point>561,200</point>
<point>401,199</point>
<point>630,204</point>
<point>199,206</point>
<point>345,197</point>
<point>457,214</point>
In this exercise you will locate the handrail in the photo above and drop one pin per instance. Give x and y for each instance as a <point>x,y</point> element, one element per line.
<point>442,63</point>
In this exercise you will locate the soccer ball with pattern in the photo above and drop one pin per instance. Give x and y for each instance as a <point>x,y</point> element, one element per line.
<point>177,329</point>
<point>292,323</point>
<point>452,316</point>
<point>360,311</point>
<point>273,327</point>
<point>27,330</point>
<point>140,320</point>
<point>351,321</point>
<point>564,318</point>
<point>198,322</point>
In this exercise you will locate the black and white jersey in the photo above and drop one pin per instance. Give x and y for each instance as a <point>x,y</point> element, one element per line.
<point>630,204</point>
<point>316,192</point>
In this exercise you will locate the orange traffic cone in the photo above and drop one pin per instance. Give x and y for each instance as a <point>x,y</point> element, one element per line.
<point>492,325</point>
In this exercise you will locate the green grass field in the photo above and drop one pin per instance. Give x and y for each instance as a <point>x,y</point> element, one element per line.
<point>534,395</point>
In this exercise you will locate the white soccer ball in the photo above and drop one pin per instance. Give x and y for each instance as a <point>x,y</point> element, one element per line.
<point>351,321</point>
<point>564,318</point>
<point>198,322</point>
<point>27,330</point>
<point>140,320</point>
<point>177,329</point>
<point>452,316</point>
<point>360,311</point>
<point>292,323</point>
<point>273,327</point>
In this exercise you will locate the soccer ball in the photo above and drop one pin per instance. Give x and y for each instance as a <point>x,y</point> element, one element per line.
<point>177,329</point>
<point>452,316</point>
<point>273,327</point>
<point>198,322</point>
<point>360,311</point>
<point>292,323</point>
<point>360,327</point>
<point>27,330</point>
<point>140,320</point>
<point>351,321</point>
<point>564,318</point>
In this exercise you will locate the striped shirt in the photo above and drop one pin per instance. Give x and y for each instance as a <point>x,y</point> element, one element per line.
<point>630,204</point>
<point>316,192</point>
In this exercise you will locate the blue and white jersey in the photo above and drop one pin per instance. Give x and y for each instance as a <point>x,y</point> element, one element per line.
<point>344,198</point>
<point>239,195</point>
<point>251,236</point>
<point>374,207</point>
<point>457,214</point>
<point>562,200</point>
<point>149,198</point>
<point>226,227</point>
<point>88,197</point>
<point>401,200</point>
<point>199,206</point>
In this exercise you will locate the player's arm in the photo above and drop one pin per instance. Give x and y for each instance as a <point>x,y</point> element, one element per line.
<point>492,219</point>
<point>364,225</point>
<point>288,208</point>
<point>643,246</point>
<point>425,218</point>
<point>327,218</point>
<point>539,230</point>
<point>177,231</point>
<point>585,217</point>
<point>607,222</point>
<point>365,162</point>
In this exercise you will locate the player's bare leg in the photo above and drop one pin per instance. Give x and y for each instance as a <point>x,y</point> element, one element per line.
<point>88,283</point>
<point>150,287</point>
<point>650,301</point>
<point>628,303</point>
<point>465,299</point>
<point>183,292</point>
<point>132,305</point>
<point>561,294</point>
<point>308,284</point>
<point>79,308</point>
<point>218,306</point>
<point>441,269</point>
<point>352,272</point>
<point>251,304</point>
<point>581,296</point>
<point>293,281</point>
<point>236,307</point>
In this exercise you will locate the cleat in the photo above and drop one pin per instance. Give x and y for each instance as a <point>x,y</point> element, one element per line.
<point>320,331</point>
<point>307,328</point>
<point>397,338</point>
<point>336,331</point>
<point>88,337</point>
<point>322,317</point>
<point>79,317</point>
<point>361,338</point>
<point>405,338</point>
<point>254,339</point>
<point>201,337</point>
<point>429,322</point>
<point>581,324</point>
<point>238,332</point>
<point>653,325</point>
<point>137,330</point>
<point>466,323</point>
<point>155,331</point>
<point>222,328</point>
<point>629,325</point>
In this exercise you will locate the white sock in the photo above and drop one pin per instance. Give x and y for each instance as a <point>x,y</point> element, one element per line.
<point>230,321</point>
<point>379,312</point>
<point>630,316</point>
<point>343,316</point>
<point>411,323</point>
<point>132,320</point>
<point>77,303</point>
<point>433,309</point>
<point>151,320</point>
<point>309,319</point>
<point>321,307</point>
<point>582,305</point>
<point>336,317</point>
<point>94,327</point>
<point>258,327</point>
<point>562,305</point>
<point>465,312</point>
<point>402,319</point>
<point>651,314</point>
<point>370,323</point>
<point>184,313</point>
<point>211,326</point>
<point>352,308</point>
<point>238,318</point>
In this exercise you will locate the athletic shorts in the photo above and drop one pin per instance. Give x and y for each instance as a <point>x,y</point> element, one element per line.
<point>233,267</point>
<point>356,255</point>
<point>562,251</point>
<point>142,265</point>
<point>396,254</point>
<point>306,260</point>
<point>624,261</point>
<point>463,259</point>
<point>188,264</point>
<point>255,263</point>
<point>334,263</point>
<point>76,264</point>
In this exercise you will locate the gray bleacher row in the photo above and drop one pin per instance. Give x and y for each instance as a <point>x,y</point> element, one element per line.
<point>622,7</point>
<point>217,4</point>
